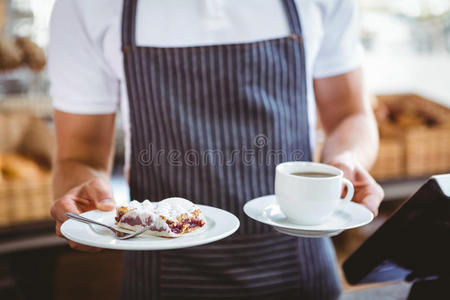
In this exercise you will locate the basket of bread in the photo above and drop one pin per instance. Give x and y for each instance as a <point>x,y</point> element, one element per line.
<point>26,145</point>
<point>414,137</point>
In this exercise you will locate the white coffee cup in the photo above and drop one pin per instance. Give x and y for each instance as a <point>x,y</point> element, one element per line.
<point>309,200</point>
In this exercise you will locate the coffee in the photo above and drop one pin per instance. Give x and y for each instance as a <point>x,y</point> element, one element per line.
<point>313,174</point>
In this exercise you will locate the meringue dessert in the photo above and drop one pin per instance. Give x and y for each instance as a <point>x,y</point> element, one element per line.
<point>171,217</point>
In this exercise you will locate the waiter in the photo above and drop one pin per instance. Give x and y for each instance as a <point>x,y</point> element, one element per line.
<point>224,76</point>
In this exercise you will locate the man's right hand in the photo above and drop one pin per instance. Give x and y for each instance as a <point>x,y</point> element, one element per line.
<point>93,194</point>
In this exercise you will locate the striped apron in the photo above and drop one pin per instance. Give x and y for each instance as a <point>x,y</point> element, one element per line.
<point>209,124</point>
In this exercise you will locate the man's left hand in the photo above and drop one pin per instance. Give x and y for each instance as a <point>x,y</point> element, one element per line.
<point>367,191</point>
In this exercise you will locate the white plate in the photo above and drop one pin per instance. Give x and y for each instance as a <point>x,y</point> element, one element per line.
<point>349,215</point>
<point>219,224</point>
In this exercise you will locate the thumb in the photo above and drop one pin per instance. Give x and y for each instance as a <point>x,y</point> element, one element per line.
<point>100,193</point>
<point>372,202</point>
<point>106,204</point>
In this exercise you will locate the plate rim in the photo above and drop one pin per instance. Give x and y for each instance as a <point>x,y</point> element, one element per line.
<point>267,221</point>
<point>310,235</point>
<point>306,231</point>
<point>142,247</point>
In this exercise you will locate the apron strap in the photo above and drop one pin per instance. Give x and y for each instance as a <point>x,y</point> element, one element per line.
<point>293,18</point>
<point>129,21</point>
<point>129,24</point>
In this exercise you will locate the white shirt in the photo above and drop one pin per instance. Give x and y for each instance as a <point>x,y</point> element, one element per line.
<point>86,62</point>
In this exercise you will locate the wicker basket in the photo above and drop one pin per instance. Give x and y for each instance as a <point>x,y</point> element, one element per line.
<point>26,147</point>
<point>416,150</point>
<point>390,160</point>
<point>427,151</point>
<point>23,201</point>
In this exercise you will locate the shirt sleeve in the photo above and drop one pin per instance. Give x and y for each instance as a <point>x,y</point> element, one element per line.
<point>340,50</point>
<point>81,80</point>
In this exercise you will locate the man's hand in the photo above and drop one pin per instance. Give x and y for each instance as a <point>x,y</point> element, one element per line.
<point>92,194</point>
<point>84,156</point>
<point>367,191</point>
<point>351,142</point>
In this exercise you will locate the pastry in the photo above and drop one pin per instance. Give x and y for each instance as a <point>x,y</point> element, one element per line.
<point>34,56</point>
<point>11,55</point>
<point>171,217</point>
<point>17,167</point>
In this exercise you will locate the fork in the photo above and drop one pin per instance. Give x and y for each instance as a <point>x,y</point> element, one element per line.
<point>119,234</point>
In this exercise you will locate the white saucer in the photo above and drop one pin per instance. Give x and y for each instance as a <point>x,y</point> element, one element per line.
<point>219,224</point>
<point>306,233</point>
<point>349,215</point>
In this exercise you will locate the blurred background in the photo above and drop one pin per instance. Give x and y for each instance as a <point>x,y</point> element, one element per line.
<point>407,78</point>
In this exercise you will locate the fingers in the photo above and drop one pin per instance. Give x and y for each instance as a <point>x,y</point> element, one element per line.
<point>93,194</point>
<point>372,203</point>
<point>370,195</point>
<point>58,229</point>
<point>100,193</point>
<point>83,248</point>
<point>367,191</point>
<point>72,244</point>
<point>63,205</point>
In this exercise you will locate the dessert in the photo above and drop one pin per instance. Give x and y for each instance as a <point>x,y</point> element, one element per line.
<point>171,217</point>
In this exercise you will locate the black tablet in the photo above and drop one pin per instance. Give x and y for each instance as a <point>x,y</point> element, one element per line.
<point>413,243</point>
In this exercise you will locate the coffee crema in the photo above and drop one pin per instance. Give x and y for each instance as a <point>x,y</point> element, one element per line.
<point>313,174</point>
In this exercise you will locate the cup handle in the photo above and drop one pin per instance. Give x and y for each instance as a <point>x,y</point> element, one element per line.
<point>350,190</point>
